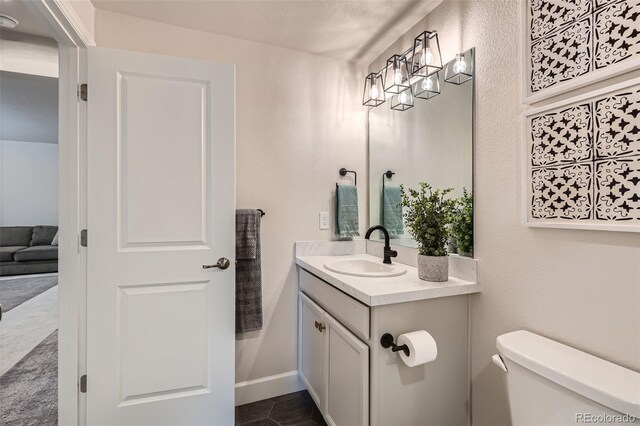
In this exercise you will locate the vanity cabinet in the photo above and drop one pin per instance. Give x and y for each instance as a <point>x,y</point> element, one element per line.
<point>334,364</point>
<point>311,341</point>
<point>353,379</point>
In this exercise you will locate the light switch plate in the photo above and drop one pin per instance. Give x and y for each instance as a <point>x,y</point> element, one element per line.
<point>324,220</point>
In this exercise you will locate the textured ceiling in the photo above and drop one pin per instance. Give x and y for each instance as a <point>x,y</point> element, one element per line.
<point>345,29</point>
<point>27,23</point>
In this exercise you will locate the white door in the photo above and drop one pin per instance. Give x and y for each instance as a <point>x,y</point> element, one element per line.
<point>312,348</point>
<point>347,377</point>
<point>161,195</point>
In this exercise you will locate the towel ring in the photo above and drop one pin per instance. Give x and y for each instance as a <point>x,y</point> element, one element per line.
<point>343,172</point>
<point>388,174</point>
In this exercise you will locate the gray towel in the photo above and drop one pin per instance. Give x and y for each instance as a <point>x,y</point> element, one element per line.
<point>347,211</point>
<point>392,210</point>
<point>248,271</point>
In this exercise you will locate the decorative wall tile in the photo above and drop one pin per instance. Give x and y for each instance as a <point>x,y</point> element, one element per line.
<point>617,33</point>
<point>568,40</point>
<point>561,56</point>
<point>562,192</point>
<point>583,161</point>
<point>562,137</point>
<point>549,15</point>
<point>618,124</point>
<point>618,189</point>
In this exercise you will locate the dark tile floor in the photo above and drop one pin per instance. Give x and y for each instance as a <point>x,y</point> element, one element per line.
<point>294,409</point>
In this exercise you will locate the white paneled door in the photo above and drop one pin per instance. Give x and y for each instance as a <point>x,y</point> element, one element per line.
<point>161,196</point>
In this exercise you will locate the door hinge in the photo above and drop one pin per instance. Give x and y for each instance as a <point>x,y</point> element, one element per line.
<point>82,91</point>
<point>83,238</point>
<point>83,384</point>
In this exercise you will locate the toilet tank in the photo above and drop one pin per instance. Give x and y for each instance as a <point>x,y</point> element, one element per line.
<point>549,383</point>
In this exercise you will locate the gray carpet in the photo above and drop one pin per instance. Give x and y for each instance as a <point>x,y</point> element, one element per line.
<point>29,390</point>
<point>14,292</point>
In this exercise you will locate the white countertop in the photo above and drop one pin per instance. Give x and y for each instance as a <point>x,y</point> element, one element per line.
<point>384,291</point>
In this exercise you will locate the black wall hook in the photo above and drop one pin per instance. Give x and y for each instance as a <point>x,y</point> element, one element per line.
<point>387,342</point>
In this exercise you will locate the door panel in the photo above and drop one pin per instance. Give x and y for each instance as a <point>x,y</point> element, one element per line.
<point>347,377</point>
<point>312,348</point>
<point>161,200</point>
<point>176,343</point>
<point>161,209</point>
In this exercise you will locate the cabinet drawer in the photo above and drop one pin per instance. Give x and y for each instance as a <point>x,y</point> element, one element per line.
<point>353,314</point>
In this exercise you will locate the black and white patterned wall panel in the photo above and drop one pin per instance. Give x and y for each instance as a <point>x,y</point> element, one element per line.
<point>562,192</point>
<point>561,56</point>
<point>616,33</point>
<point>617,196</point>
<point>570,39</point>
<point>583,162</point>
<point>618,125</point>
<point>563,137</point>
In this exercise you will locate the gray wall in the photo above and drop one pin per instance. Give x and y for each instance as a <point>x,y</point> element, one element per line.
<point>28,183</point>
<point>28,149</point>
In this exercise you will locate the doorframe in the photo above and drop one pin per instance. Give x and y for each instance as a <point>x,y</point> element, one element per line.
<point>73,38</point>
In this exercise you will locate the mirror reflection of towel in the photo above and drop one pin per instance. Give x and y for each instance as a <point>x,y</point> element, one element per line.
<point>392,210</point>
<point>347,224</point>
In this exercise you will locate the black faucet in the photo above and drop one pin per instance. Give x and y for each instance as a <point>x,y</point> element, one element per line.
<point>388,253</point>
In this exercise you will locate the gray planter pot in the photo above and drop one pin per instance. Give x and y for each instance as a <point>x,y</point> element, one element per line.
<point>433,268</point>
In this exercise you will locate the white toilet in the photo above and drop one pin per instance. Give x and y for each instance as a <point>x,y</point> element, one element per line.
<point>549,383</point>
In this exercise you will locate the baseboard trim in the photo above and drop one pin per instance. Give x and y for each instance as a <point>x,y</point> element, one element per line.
<point>268,387</point>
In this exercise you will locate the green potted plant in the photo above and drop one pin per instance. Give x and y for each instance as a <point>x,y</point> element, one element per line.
<point>427,213</point>
<point>462,224</point>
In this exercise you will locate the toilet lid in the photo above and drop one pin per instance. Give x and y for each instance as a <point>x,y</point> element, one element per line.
<point>606,383</point>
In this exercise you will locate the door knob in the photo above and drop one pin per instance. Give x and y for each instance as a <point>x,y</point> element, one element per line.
<point>223,263</point>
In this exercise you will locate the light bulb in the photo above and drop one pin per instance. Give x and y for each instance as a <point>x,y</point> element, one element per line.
<point>427,56</point>
<point>397,76</point>
<point>459,66</point>
<point>403,98</point>
<point>427,84</point>
<point>373,93</point>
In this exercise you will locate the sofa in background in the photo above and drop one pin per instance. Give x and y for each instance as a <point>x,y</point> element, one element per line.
<point>28,250</point>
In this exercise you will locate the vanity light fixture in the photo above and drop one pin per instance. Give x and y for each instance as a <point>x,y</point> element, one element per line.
<point>460,70</point>
<point>373,90</point>
<point>408,75</point>
<point>427,87</point>
<point>426,58</point>
<point>403,100</point>
<point>396,75</point>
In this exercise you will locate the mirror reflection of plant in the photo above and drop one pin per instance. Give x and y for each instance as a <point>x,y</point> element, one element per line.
<point>462,223</point>
<point>427,212</point>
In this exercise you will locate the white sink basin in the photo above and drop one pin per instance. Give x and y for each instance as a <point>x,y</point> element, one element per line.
<point>365,268</point>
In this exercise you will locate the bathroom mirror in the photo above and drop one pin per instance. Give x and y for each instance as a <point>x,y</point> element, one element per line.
<point>431,142</point>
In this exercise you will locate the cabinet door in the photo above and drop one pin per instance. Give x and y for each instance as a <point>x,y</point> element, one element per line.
<point>346,377</point>
<point>311,348</point>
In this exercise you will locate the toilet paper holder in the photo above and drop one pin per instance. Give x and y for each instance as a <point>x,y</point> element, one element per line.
<point>387,342</point>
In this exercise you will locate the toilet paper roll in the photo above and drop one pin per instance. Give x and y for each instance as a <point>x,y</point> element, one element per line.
<point>422,348</point>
